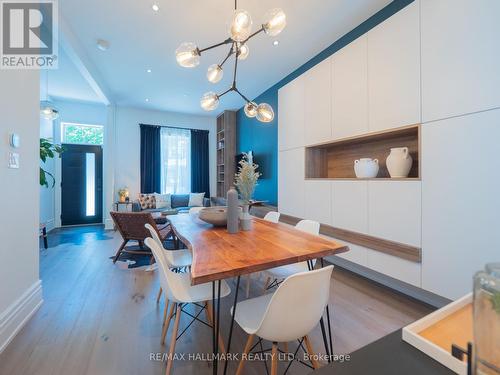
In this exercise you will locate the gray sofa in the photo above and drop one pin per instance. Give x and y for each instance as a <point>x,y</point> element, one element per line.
<point>180,202</point>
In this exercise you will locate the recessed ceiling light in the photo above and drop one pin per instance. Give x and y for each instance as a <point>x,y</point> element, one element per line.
<point>147,99</point>
<point>155,7</point>
<point>149,70</point>
<point>102,44</point>
<point>276,42</point>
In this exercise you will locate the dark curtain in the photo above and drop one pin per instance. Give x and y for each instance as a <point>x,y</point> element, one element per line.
<point>200,180</point>
<point>150,159</point>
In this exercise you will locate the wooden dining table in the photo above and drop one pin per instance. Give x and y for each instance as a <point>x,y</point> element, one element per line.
<point>219,255</point>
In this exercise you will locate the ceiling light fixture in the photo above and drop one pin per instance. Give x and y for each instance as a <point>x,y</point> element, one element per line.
<point>149,71</point>
<point>102,44</point>
<point>47,109</point>
<point>276,42</point>
<point>147,99</point>
<point>155,7</point>
<point>240,31</point>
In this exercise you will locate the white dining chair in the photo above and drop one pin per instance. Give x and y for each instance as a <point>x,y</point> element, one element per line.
<point>273,217</point>
<point>288,314</point>
<point>279,273</point>
<point>179,292</point>
<point>176,259</point>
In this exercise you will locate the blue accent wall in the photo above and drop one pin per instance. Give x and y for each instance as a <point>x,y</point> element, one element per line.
<point>261,138</point>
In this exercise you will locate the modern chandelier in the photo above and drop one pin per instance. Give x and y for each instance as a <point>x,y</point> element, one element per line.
<point>240,31</point>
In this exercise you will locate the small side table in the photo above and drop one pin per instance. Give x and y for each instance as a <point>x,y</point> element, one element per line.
<point>43,234</point>
<point>122,206</point>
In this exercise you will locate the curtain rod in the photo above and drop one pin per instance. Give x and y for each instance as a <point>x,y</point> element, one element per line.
<point>174,127</point>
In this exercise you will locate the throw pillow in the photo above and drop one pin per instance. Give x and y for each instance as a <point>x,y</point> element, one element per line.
<point>163,201</point>
<point>147,201</point>
<point>196,199</point>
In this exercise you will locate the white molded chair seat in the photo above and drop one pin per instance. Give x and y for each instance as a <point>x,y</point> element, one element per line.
<point>174,258</point>
<point>282,272</point>
<point>286,315</point>
<point>272,216</point>
<point>179,291</point>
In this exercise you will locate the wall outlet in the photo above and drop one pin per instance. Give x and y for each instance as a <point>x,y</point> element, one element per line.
<point>13,160</point>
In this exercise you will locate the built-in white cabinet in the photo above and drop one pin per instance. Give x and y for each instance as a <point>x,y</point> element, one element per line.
<point>356,254</point>
<point>394,70</point>
<point>460,57</point>
<point>317,103</point>
<point>318,201</point>
<point>460,201</point>
<point>291,184</point>
<point>395,210</point>
<point>291,114</point>
<point>350,205</point>
<point>395,267</point>
<point>350,90</point>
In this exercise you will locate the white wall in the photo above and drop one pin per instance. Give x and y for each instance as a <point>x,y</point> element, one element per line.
<point>127,142</point>
<point>20,288</point>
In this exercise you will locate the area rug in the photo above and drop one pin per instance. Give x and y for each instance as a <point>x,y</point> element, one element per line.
<point>140,261</point>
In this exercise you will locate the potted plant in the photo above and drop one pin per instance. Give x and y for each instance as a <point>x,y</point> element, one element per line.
<point>48,150</point>
<point>245,181</point>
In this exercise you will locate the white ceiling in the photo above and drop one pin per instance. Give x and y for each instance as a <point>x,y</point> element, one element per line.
<point>142,39</point>
<point>66,82</point>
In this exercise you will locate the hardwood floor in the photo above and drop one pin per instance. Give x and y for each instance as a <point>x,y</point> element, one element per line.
<point>100,319</point>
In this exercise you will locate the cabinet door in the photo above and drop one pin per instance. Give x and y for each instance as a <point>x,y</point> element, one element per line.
<point>356,254</point>
<point>394,70</point>
<point>291,182</point>
<point>350,205</point>
<point>395,211</point>
<point>460,57</point>
<point>401,269</point>
<point>291,115</point>
<point>350,90</point>
<point>460,201</point>
<point>317,106</point>
<point>318,202</point>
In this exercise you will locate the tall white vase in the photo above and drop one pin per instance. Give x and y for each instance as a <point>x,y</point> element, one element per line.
<point>399,162</point>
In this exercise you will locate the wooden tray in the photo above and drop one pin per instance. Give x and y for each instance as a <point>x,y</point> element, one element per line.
<point>435,333</point>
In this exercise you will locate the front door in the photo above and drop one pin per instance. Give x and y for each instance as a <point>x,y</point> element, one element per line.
<point>81,185</point>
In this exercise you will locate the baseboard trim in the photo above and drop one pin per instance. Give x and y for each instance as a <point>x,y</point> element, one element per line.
<point>389,282</point>
<point>19,313</point>
<point>108,224</point>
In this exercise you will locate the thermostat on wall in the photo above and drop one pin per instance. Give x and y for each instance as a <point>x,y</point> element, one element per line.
<point>14,140</point>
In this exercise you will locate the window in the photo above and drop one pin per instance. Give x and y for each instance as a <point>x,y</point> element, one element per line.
<point>175,161</point>
<point>82,134</point>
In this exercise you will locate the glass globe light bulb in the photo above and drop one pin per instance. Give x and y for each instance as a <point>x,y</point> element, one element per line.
<point>265,112</point>
<point>187,55</point>
<point>214,73</point>
<point>244,51</point>
<point>209,101</point>
<point>275,22</point>
<point>241,25</point>
<point>250,109</point>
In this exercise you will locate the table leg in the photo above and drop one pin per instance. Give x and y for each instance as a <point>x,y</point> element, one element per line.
<point>330,337</point>
<point>325,342</point>
<point>215,324</point>
<point>232,322</point>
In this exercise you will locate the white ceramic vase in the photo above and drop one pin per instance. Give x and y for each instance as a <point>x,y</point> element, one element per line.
<point>399,162</point>
<point>366,168</point>
<point>245,218</point>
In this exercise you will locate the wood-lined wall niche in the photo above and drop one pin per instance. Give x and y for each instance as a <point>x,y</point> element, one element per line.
<point>335,160</point>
